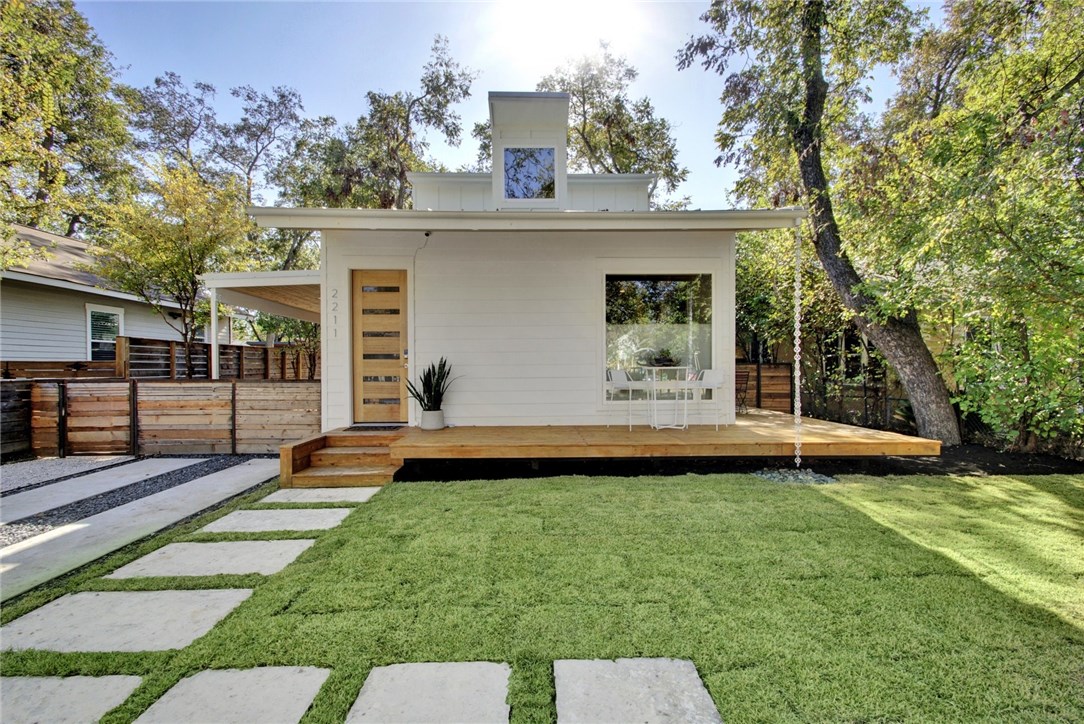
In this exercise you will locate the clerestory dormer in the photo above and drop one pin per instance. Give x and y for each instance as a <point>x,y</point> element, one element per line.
<point>530,167</point>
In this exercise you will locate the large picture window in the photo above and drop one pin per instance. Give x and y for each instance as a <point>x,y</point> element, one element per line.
<point>530,173</point>
<point>658,320</point>
<point>104,325</point>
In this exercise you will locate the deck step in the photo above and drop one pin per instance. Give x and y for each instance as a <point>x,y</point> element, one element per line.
<point>363,439</point>
<point>344,477</point>
<point>375,456</point>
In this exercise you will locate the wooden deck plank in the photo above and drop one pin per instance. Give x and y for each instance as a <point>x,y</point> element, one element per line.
<point>759,433</point>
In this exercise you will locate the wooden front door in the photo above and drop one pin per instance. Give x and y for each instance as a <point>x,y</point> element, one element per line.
<point>380,345</point>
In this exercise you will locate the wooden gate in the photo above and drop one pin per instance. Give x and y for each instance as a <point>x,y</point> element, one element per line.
<point>379,345</point>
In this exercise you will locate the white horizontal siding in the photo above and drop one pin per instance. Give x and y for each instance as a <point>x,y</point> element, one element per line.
<point>520,317</point>
<point>47,324</point>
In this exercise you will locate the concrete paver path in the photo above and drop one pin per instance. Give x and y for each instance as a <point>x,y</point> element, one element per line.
<point>321,495</point>
<point>28,563</point>
<point>632,690</point>
<point>262,521</point>
<point>121,620</point>
<point>235,696</point>
<point>210,559</point>
<point>457,692</point>
<point>31,502</point>
<point>62,700</point>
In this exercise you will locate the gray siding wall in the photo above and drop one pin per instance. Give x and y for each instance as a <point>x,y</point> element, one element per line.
<point>47,324</point>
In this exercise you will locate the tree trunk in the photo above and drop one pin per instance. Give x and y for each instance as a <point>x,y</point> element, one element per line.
<point>898,338</point>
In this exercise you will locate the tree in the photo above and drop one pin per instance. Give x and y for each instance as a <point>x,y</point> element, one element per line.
<point>609,132</point>
<point>63,134</point>
<point>157,246</point>
<point>971,190</point>
<point>389,133</point>
<point>803,69</point>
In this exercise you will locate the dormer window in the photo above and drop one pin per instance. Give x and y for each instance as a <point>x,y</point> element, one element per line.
<point>530,172</point>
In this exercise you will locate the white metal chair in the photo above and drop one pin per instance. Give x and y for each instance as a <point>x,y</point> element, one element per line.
<point>620,381</point>
<point>712,380</point>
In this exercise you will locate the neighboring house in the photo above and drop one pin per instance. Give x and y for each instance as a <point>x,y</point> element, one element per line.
<point>55,310</point>
<point>533,282</point>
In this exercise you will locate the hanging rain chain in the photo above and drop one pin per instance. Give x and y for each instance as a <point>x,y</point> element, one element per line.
<point>797,346</point>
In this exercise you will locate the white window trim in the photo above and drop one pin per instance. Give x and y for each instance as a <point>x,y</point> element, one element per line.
<point>708,266</point>
<point>119,311</point>
<point>560,170</point>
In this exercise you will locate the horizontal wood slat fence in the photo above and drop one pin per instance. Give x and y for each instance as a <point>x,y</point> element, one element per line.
<point>140,358</point>
<point>776,386</point>
<point>146,418</point>
<point>14,416</point>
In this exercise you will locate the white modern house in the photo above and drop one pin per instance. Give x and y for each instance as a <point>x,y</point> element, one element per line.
<point>536,284</point>
<point>54,309</point>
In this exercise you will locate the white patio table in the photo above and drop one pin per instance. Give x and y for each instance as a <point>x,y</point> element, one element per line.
<point>664,380</point>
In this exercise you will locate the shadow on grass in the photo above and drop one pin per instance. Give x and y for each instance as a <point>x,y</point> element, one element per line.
<point>1022,535</point>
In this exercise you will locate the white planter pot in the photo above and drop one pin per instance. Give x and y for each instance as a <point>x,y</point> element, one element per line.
<point>433,420</point>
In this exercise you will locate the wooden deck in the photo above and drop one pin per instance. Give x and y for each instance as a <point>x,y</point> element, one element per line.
<point>760,433</point>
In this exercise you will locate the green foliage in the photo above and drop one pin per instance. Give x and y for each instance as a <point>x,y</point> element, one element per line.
<point>969,198</point>
<point>609,132</point>
<point>365,165</point>
<point>63,133</point>
<point>434,383</point>
<point>157,245</point>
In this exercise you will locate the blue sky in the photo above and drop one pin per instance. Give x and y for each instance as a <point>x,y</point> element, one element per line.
<point>332,53</point>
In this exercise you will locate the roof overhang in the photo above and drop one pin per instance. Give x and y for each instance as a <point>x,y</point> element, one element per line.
<point>17,276</point>
<point>294,294</point>
<point>400,220</point>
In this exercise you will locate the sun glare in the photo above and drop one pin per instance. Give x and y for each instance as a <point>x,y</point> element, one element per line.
<point>535,38</point>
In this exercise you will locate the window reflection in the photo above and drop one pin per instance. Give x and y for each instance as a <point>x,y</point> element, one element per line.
<point>530,173</point>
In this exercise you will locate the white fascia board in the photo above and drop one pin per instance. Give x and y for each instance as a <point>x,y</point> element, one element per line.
<point>471,178</point>
<point>219,280</point>
<point>72,286</point>
<point>396,220</point>
<point>611,178</point>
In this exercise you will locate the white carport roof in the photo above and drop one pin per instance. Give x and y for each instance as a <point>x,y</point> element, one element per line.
<point>293,294</point>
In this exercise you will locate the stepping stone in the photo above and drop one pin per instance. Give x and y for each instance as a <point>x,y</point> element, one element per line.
<point>321,495</point>
<point>460,692</point>
<point>210,559</point>
<point>625,690</point>
<point>63,700</point>
<point>31,502</point>
<point>27,563</point>
<point>122,620</point>
<point>259,521</point>
<point>268,694</point>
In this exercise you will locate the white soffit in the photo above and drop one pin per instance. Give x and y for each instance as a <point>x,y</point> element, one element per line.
<point>294,294</point>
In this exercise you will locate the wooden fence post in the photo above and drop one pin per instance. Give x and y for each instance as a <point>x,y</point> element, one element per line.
<point>233,418</point>
<point>267,363</point>
<point>61,419</point>
<point>133,418</point>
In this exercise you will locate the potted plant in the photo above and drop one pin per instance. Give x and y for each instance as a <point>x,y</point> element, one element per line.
<point>434,382</point>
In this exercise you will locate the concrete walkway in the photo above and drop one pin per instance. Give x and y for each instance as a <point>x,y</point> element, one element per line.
<point>33,561</point>
<point>22,504</point>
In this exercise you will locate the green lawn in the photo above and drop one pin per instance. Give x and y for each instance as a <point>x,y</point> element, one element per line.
<point>910,598</point>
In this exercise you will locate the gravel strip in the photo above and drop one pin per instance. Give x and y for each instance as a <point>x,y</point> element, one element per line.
<point>44,522</point>
<point>30,474</point>
<point>785,475</point>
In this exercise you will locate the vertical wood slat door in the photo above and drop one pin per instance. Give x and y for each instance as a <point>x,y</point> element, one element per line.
<point>379,345</point>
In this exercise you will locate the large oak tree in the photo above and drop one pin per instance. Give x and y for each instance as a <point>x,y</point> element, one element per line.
<point>801,70</point>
